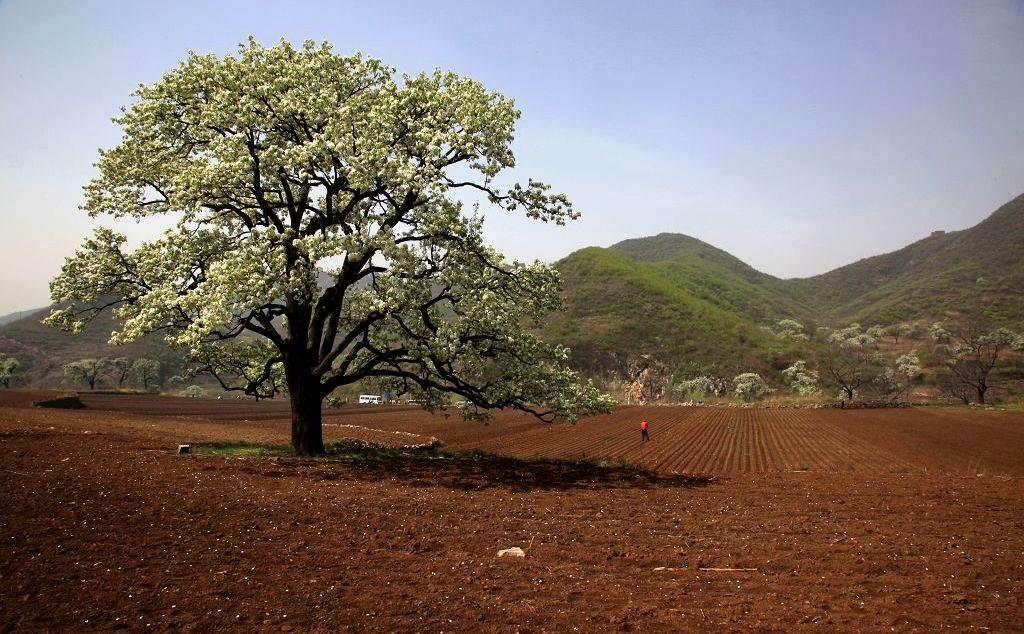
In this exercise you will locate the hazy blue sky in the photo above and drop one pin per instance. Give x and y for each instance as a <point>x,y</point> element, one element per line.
<point>799,136</point>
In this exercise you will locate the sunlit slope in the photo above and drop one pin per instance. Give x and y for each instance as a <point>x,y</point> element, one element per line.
<point>981,266</point>
<point>714,276</point>
<point>690,304</point>
<point>618,308</point>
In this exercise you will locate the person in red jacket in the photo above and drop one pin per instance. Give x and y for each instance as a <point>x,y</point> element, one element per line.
<point>643,431</point>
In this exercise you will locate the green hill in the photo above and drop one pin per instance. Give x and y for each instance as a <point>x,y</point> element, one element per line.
<point>981,266</point>
<point>618,308</point>
<point>689,304</point>
<point>712,275</point>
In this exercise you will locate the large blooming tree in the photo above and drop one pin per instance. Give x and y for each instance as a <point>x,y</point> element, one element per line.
<point>318,225</point>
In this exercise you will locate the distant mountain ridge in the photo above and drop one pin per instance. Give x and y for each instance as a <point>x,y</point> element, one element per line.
<point>983,264</point>
<point>689,303</point>
<point>21,314</point>
<point>926,278</point>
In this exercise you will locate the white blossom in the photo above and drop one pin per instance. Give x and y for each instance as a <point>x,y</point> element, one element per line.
<point>279,162</point>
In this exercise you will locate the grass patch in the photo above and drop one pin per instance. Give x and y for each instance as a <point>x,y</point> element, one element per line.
<point>240,450</point>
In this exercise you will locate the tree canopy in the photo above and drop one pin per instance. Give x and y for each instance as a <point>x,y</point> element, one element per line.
<point>8,368</point>
<point>974,353</point>
<point>318,206</point>
<point>85,371</point>
<point>852,361</point>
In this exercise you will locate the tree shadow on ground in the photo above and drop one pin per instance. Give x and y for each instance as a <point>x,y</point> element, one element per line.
<point>477,473</point>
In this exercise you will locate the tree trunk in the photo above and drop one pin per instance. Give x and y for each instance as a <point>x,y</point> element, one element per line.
<point>981,393</point>
<point>307,419</point>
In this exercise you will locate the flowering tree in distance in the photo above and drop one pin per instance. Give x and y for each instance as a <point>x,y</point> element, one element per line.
<point>852,361</point>
<point>750,386</point>
<point>146,373</point>
<point>974,352</point>
<point>803,380</point>
<point>896,380</point>
<point>8,367</point>
<point>85,371</point>
<point>791,330</point>
<point>280,163</point>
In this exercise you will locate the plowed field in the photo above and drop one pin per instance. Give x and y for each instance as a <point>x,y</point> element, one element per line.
<point>771,520</point>
<point>696,440</point>
<point>728,441</point>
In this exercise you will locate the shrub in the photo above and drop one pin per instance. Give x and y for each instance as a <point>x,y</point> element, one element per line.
<point>749,386</point>
<point>700,387</point>
<point>801,379</point>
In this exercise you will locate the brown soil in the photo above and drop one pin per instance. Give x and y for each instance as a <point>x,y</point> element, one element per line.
<point>866,520</point>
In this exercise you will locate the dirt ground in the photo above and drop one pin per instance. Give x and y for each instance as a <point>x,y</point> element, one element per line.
<point>745,519</point>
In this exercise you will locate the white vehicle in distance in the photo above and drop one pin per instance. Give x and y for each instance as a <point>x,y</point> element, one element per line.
<point>373,399</point>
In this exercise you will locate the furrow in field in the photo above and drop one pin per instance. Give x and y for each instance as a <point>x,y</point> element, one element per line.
<point>698,444</point>
<point>760,462</point>
<point>833,449</point>
<point>720,440</point>
<point>710,460</point>
<point>778,444</point>
<point>669,436</point>
<point>699,439</point>
<point>809,445</point>
<point>764,431</point>
<point>729,457</point>
<point>783,445</point>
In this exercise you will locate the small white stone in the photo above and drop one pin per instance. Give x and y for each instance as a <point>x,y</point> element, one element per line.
<point>515,551</point>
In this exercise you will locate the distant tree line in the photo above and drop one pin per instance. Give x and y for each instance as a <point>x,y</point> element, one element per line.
<point>965,358</point>
<point>236,367</point>
<point>143,373</point>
